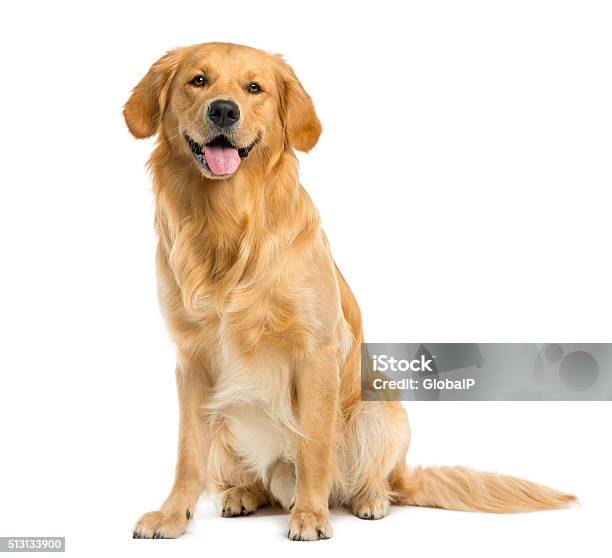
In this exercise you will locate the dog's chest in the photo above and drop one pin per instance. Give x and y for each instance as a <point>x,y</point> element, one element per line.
<point>254,400</point>
<point>252,395</point>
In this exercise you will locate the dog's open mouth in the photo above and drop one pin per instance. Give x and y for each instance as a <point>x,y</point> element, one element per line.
<point>220,157</point>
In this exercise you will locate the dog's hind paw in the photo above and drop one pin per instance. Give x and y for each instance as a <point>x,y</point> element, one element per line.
<point>371,509</point>
<point>238,500</point>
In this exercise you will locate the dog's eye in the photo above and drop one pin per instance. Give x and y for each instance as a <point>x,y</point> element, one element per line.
<point>254,88</point>
<point>198,81</point>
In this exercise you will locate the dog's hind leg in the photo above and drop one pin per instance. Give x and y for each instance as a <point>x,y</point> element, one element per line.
<point>378,437</point>
<point>240,491</point>
<point>282,483</point>
<point>242,500</point>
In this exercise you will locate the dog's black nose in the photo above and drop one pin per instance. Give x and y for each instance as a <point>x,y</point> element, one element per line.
<point>223,113</point>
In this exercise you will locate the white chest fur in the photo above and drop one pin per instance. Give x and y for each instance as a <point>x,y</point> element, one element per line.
<point>254,398</point>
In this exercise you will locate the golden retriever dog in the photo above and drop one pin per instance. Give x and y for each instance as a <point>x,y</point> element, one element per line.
<point>267,330</point>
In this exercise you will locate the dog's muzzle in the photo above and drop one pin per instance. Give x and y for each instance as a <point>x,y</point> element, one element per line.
<point>219,157</point>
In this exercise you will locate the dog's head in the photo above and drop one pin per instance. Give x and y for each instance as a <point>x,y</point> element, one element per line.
<point>223,106</point>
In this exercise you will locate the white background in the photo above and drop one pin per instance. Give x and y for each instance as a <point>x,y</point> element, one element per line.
<point>463,179</point>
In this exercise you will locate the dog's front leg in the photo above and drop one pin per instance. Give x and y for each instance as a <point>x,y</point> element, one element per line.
<point>317,401</point>
<point>170,521</point>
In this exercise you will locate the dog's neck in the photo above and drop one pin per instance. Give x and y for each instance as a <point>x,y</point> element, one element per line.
<point>215,231</point>
<point>266,192</point>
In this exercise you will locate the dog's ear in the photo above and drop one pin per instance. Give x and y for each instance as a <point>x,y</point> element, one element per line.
<point>300,120</point>
<point>146,105</point>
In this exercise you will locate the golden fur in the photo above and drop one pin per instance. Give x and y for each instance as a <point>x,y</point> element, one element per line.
<point>267,330</point>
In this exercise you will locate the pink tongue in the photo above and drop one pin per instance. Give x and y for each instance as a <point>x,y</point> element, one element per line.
<point>222,160</point>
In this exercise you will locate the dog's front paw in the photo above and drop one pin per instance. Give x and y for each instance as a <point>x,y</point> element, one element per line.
<point>309,525</point>
<point>161,525</point>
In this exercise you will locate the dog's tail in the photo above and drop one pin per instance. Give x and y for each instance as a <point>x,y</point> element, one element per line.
<point>463,489</point>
